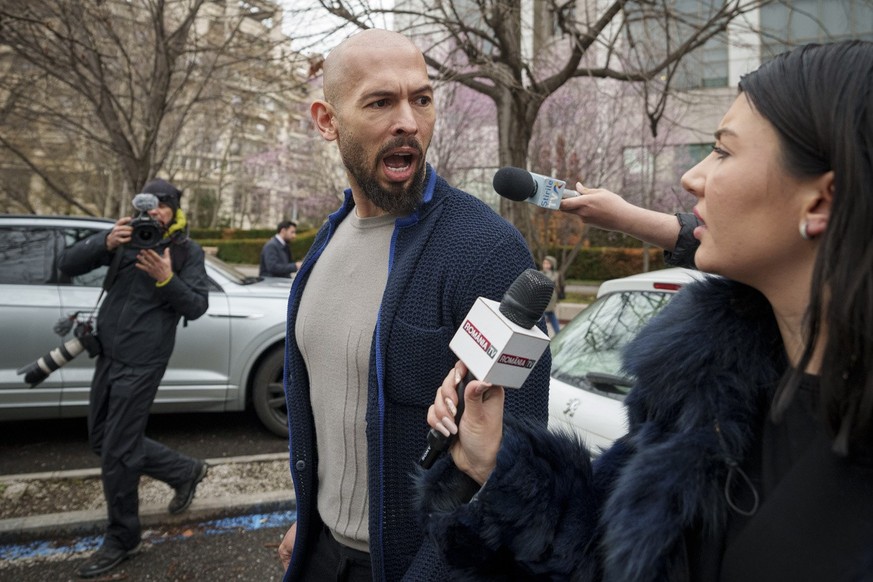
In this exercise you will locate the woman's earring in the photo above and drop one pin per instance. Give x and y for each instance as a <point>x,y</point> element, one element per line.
<point>804,230</point>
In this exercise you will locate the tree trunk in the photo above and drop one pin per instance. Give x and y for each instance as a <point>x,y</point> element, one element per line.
<point>516,114</point>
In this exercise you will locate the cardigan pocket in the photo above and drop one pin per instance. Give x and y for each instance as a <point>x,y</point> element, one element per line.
<point>416,362</point>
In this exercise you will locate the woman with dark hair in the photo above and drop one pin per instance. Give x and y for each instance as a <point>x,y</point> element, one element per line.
<point>749,454</point>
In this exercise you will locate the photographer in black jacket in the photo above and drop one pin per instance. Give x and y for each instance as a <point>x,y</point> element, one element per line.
<point>150,290</point>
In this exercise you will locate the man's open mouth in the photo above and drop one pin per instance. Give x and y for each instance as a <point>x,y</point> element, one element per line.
<point>399,165</point>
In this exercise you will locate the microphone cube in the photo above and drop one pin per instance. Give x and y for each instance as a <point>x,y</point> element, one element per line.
<point>495,349</point>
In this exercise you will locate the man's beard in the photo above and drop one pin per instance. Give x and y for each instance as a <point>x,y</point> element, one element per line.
<point>397,200</point>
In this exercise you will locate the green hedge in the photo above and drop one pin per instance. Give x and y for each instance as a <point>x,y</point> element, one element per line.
<point>593,264</point>
<point>236,251</point>
<point>247,250</point>
<point>605,238</point>
<point>205,233</point>
<point>602,263</point>
<point>231,233</point>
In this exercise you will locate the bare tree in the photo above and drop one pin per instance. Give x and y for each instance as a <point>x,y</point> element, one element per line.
<point>316,177</point>
<point>582,134</point>
<point>463,145</point>
<point>96,95</point>
<point>481,44</point>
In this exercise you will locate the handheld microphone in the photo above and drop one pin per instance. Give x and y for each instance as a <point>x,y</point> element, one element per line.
<point>523,186</point>
<point>499,343</point>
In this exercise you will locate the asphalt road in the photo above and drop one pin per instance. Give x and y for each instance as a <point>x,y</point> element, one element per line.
<point>231,549</point>
<point>32,446</point>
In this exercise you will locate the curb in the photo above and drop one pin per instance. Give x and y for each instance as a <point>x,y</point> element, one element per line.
<point>85,522</point>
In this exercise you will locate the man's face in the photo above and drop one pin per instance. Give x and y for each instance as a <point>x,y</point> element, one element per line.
<point>288,234</point>
<point>163,214</point>
<point>385,122</point>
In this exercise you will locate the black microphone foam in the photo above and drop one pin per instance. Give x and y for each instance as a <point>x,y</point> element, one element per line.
<point>527,298</point>
<point>514,183</point>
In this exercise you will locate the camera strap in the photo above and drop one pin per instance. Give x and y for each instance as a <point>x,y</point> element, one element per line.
<point>112,273</point>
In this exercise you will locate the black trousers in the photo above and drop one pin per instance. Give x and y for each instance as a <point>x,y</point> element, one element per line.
<point>117,416</point>
<point>331,561</point>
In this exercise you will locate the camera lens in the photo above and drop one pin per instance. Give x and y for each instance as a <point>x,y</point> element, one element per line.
<point>147,232</point>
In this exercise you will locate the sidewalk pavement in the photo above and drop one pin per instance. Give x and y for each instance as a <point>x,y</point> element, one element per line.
<point>233,486</point>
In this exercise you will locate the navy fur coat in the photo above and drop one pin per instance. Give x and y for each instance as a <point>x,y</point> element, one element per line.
<point>706,368</point>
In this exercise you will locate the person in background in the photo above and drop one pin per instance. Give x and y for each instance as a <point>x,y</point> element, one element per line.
<point>397,268</point>
<point>276,259</point>
<point>550,270</point>
<point>749,455</point>
<point>150,290</point>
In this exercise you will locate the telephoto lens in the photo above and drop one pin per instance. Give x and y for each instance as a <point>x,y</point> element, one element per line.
<point>39,370</point>
<point>84,339</point>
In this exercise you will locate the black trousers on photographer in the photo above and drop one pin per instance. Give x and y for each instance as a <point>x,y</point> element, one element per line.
<point>118,412</point>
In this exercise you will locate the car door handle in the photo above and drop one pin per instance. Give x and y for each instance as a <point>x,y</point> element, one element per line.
<point>235,316</point>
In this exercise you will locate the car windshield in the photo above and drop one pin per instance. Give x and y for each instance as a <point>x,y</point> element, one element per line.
<point>230,272</point>
<point>588,349</point>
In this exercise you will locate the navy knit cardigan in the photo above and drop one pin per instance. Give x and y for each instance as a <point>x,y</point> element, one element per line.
<point>452,250</point>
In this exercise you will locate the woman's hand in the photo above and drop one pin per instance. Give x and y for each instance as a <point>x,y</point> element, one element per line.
<point>607,210</point>
<point>481,428</point>
<point>599,207</point>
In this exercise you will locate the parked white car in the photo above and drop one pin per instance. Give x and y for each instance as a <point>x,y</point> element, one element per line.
<point>587,388</point>
<point>229,359</point>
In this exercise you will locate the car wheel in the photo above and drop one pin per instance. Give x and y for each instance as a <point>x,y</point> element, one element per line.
<point>268,393</point>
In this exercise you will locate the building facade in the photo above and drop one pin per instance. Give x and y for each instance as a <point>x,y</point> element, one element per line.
<point>602,131</point>
<point>223,125</point>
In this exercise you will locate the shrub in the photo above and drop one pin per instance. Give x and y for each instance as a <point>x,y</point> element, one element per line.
<point>245,249</point>
<point>595,263</point>
<point>602,263</point>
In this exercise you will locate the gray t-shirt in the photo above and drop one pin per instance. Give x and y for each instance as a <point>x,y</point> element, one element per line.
<point>335,325</point>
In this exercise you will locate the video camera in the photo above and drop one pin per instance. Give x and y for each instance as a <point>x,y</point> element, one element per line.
<point>84,339</point>
<point>147,232</point>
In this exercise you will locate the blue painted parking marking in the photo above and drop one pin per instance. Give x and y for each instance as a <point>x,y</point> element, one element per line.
<point>51,548</point>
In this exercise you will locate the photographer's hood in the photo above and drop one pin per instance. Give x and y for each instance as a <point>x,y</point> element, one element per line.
<point>165,192</point>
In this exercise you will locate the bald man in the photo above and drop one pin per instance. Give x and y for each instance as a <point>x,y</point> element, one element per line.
<point>388,280</point>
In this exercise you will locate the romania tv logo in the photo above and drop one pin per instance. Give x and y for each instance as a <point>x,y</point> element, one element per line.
<point>517,361</point>
<point>480,339</point>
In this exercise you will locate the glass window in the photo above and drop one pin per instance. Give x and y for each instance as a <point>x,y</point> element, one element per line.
<point>789,23</point>
<point>92,278</point>
<point>592,342</point>
<point>638,161</point>
<point>687,156</point>
<point>707,66</point>
<point>27,256</point>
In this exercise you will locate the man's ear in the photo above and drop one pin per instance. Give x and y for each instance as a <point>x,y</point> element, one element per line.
<point>818,210</point>
<point>325,121</point>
